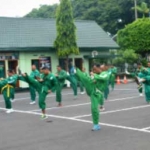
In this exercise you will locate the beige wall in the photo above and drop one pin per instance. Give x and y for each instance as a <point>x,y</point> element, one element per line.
<point>25,62</point>
<point>26,57</point>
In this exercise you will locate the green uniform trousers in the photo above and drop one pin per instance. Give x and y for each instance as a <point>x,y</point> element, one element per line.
<point>140,88</point>
<point>58,92</point>
<point>72,79</point>
<point>81,86</point>
<point>147,92</point>
<point>32,93</point>
<point>95,97</point>
<point>38,87</point>
<point>112,81</point>
<point>42,98</point>
<point>7,97</point>
<point>106,92</point>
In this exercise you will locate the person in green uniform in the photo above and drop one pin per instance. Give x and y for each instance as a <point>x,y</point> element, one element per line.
<point>43,86</point>
<point>12,99</point>
<point>144,77</point>
<point>34,73</point>
<point>7,89</point>
<point>113,76</point>
<point>136,74</point>
<point>93,91</point>
<point>61,76</point>
<point>104,87</point>
<point>106,70</point>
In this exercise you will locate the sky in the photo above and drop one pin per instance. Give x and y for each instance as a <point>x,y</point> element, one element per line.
<point>19,8</point>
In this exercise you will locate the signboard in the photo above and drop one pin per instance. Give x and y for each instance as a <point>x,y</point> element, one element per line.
<point>9,56</point>
<point>45,61</point>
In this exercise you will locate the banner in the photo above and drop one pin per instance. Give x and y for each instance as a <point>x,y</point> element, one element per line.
<point>45,61</point>
<point>9,56</point>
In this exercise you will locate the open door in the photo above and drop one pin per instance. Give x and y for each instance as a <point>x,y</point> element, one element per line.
<point>79,63</point>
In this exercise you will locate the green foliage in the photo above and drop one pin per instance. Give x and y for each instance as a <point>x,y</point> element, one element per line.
<point>136,36</point>
<point>105,12</point>
<point>44,11</point>
<point>144,62</point>
<point>143,8</point>
<point>65,42</point>
<point>129,56</point>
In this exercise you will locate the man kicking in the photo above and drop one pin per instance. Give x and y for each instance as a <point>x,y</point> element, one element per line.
<point>44,85</point>
<point>93,91</point>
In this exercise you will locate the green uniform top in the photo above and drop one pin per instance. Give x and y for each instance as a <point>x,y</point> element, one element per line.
<point>49,82</point>
<point>101,80</point>
<point>85,73</point>
<point>34,73</point>
<point>62,75</point>
<point>113,74</point>
<point>12,80</point>
<point>146,75</point>
<point>114,70</point>
<point>41,75</point>
<point>138,72</point>
<point>109,73</point>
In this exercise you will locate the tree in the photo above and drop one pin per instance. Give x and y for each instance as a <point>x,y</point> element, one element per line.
<point>45,11</point>
<point>105,12</point>
<point>142,9</point>
<point>126,56</point>
<point>65,42</point>
<point>136,36</point>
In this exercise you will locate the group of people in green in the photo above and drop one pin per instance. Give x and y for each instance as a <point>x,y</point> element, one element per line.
<point>96,84</point>
<point>142,78</point>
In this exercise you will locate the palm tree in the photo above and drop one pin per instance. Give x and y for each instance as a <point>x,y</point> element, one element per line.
<point>143,8</point>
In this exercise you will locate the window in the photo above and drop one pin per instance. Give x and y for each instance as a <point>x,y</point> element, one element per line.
<point>2,69</point>
<point>63,62</point>
<point>36,63</point>
<point>42,61</point>
<point>45,61</point>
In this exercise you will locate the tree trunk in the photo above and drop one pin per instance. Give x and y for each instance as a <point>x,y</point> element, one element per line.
<point>67,63</point>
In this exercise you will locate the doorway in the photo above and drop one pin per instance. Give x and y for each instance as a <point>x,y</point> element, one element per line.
<point>78,63</point>
<point>12,64</point>
<point>2,69</point>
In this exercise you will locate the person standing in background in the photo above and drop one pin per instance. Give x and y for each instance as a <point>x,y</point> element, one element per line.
<point>113,76</point>
<point>82,91</point>
<point>61,77</point>
<point>34,73</point>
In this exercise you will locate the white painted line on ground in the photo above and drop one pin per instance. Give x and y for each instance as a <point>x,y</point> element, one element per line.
<point>83,104</point>
<point>67,106</point>
<point>19,99</point>
<point>146,128</point>
<point>121,99</point>
<point>85,121</point>
<point>112,125</point>
<point>114,111</point>
<point>125,89</point>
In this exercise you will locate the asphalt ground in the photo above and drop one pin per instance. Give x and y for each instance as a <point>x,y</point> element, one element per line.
<point>125,124</point>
